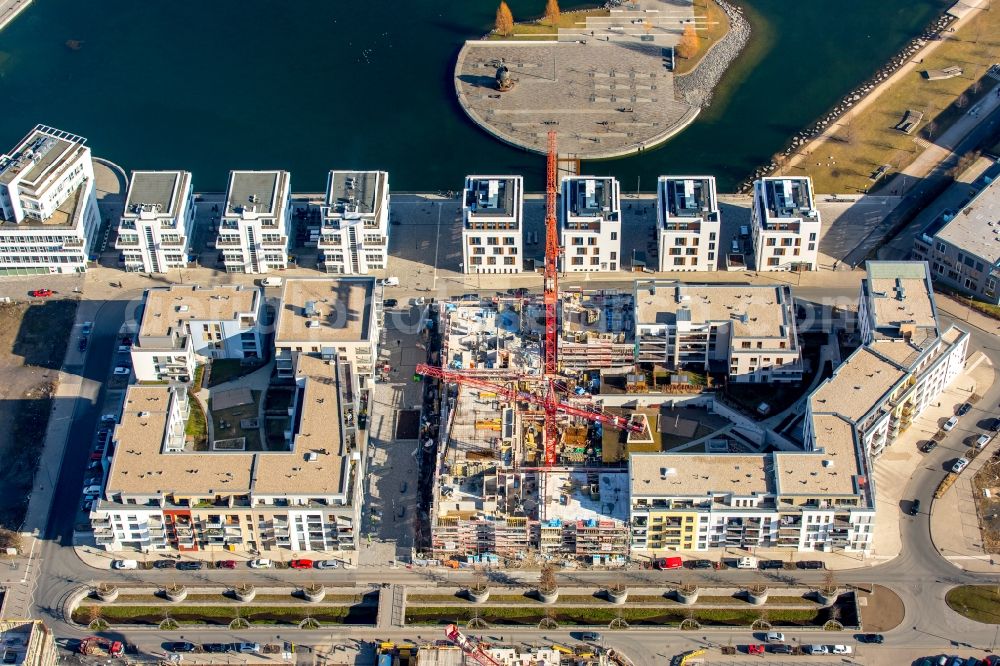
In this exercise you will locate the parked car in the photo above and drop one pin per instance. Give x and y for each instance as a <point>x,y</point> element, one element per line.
<point>780,648</point>
<point>668,563</point>
<point>390,282</point>
<point>164,564</point>
<point>950,423</point>
<point>746,563</point>
<point>590,636</point>
<point>124,564</point>
<point>774,637</point>
<point>301,564</point>
<point>390,302</point>
<point>982,441</point>
<point>771,564</point>
<point>271,282</point>
<point>959,465</point>
<point>82,344</point>
<point>877,639</point>
<point>41,293</point>
<point>225,564</point>
<point>122,370</point>
<point>190,566</point>
<point>914,507</point>
<point>994,425</point>
<point>215,647</point>
<point>840,649</point>
<point>755,648</point>
<point>929,446</point>
<point>86,505</point>
<point>246,647</point>
<point>810,564</point>
<point>816,649</point>
<point>179,646</point>
<point>326,564</point>
<point>260,563</point>
<point>700,564</point>
<point>86,329</point>
<point>964,409</point>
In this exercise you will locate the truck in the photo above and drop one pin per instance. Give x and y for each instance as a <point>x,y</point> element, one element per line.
<point>101,647</point>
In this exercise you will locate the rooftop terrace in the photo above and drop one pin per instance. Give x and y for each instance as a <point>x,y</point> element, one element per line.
<point>42,152</point>
<point>492,196</point>
<point>788,198</point>
<point>168,309</point>
<point>591,197</point>
<point>355,193</point>
<point>686,198</point>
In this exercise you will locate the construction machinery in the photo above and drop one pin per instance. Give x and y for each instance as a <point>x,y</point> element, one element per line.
<point>470,646</point>
<point>101,647</point>
<point>548,399</point>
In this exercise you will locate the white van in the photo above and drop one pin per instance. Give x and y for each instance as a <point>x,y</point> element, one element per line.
<point>746,563</point>
<point>124,564</point>
<point>390,282</point>
<point>271,282</point>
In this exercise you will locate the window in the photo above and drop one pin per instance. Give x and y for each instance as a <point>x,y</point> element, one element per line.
<point>475,240</point>
<point>508,261</point>
<point>594,261</point>
<point>745,345</point>
<point>577,261</point>
<point>812,236</point>
<point>592,241</point>
<point>476,260</point>
<point>614,235</point>
<point>711,236</point>
<point>711,246</point>
<point>679,261</point>
<point>772,261</point>
<point>491,261</point>
<point>939,247</point>
<point>680,241</point>
<point>711,256</point>
<point>581,250</point>
<point>492,240</point>
<point>614,255</point>
<point>812,247</point>
<point>771,242</point>
<point>979,266</point>
<point>577,240</point>
<point>508,240</point>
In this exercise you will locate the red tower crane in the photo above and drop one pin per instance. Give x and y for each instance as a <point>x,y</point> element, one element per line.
<point>512,394</point>
<point>470,646</point>
<point>549,401</point>
<point>551,296</point>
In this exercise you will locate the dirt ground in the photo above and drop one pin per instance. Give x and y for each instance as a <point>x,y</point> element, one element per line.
<point>33,338</point>
<point>988,479</point>
<point>882,611</point>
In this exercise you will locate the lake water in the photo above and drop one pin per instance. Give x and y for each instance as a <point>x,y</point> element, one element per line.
<point>309,86</point>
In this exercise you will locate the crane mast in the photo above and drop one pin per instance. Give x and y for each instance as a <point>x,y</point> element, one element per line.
<point>551,299</point>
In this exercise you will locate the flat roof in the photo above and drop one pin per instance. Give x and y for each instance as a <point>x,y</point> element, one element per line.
<point>359,192</point>
<point>254,191</point>
<point>787,197</point>
<point>976,228</point>
<point>44,149</point>
<point>699,474</point>
<point>317,432</point>
<point>687,197</point>
<point>588,196</point>
<point>141,467</point>
<point>831,471</point>
<point>568,498</point>
<point>325,310</point>
<point>857,385</point>
<point>752,310</point>
<point>492,196</point>
<point>167,308</point>
<point>901,294</point>
<point>157,192</point>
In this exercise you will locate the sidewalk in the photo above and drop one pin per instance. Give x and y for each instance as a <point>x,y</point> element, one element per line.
<point>954,520</point>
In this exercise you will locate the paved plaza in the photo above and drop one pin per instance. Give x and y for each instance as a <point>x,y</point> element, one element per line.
<point>604,85</point>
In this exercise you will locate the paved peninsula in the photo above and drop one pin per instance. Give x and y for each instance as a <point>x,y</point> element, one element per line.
<point>603,84</point>
<point>9,9</point>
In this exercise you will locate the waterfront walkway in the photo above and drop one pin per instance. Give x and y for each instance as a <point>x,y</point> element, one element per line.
<point>603,85</point>
<point>9,9</point>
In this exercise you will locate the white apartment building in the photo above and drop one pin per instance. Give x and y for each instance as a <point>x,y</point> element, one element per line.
<point>160,496</point>
<point>253,229</point>
<point>333,319</point>
<point>492,224</point>
<point>786,225</point>
<point>820,500</point>
<point>747,331</point>
<point>48,210</point>
<point>904,364</point>
<point>183,325</point>
<point>687,223</point>
<point>354,231</point>
<point>158,221</point>
<point>590,224</point>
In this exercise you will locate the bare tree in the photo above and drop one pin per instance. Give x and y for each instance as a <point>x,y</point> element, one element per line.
<point>552,12</point>
<point>688,46</point>
<point>962,101</point>
<point>504,24</point>
<point>547,578</point>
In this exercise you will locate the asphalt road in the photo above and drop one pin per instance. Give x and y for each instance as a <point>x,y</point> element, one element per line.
<point>919,575</point>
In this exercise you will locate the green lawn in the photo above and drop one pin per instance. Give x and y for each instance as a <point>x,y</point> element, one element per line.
<point>196,428</point>
<point>223,615</point>
<point>976,602</point>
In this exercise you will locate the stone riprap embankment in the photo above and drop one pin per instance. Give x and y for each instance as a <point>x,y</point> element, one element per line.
<point>696,87</point>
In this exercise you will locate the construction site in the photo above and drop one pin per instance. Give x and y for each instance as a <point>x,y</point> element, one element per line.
<point>520,468</point>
